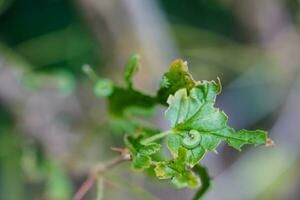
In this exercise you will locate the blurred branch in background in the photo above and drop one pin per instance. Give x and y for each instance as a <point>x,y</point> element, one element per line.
<point>125,27</point>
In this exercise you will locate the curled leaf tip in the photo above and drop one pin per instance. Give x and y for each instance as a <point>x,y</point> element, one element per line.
<point>179,65</point>
<point>131,68</point>
<point>219,84</point>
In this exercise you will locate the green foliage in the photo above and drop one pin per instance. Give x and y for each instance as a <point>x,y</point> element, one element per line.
<point>103,88</point>
<point>141,154</point>
<point>176,78</point>
<point>177,171</point>
<point>123,99</point>
<point>130,69</point>
<point>199,127</point>
<point>196,126</point>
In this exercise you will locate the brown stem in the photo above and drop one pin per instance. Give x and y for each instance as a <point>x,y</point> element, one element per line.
<point>98,170</point>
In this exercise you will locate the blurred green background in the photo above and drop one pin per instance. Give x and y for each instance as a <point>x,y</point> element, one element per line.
<point>53,129</point>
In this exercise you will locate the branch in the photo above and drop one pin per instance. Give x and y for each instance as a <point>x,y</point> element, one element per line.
<point>98,170</point>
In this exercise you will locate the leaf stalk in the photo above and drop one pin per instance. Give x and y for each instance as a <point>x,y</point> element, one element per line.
<point>156,137</point>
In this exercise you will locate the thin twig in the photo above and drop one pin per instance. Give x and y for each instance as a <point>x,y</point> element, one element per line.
<point>100,188</point>
<point>98,170</point>
<point>85,187</point>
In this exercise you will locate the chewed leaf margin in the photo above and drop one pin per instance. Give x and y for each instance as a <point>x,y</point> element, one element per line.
<point>195,112</point>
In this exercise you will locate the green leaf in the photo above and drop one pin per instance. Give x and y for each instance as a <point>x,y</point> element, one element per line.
<point>128,101</point>
<point>176,171</point>
<point>176,78</point>
<point>141,161</point>
<point>121,125</point>
<point>199,126</point>
<point>130,69</point>
<point>123,99</point>
<point>141,154</point>
<point>149,149</point>
<point>175,141</point>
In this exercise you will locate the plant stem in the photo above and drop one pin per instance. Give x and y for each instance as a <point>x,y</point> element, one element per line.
<point>156,137</point>
<point>100,188</point>
<point>205,181</point>
<point>98,170</point>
